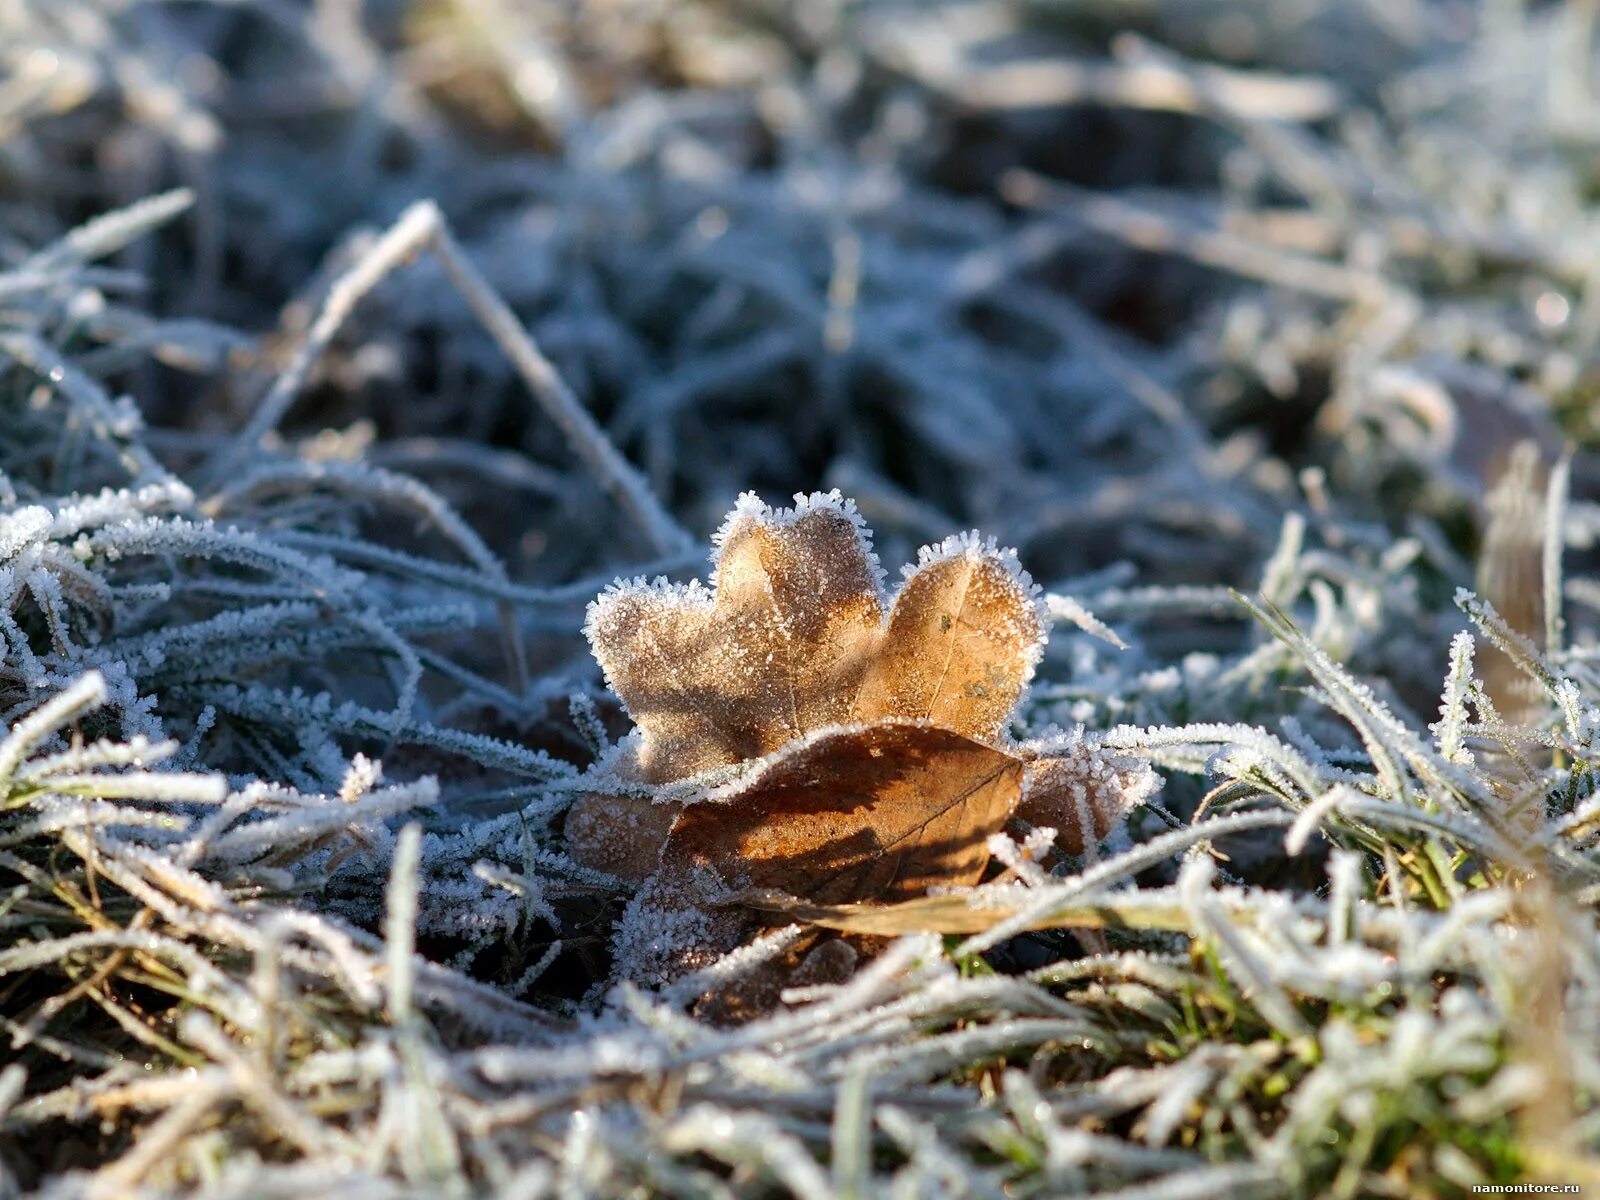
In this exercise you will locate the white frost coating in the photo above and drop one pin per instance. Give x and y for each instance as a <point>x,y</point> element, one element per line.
<point>740,961</point>
<point>974,545</point>
<point>1066,608</point>
<point>693,594</point>
<point>203,539</point>
<point>111,231</point>
<point>88,693</point>
<point>750,509</point>
<point>21,528</point>
<point>1311,818</point>
<point>362,777</point>
<point>665,932</point>
<point>1023,860</point>
<point>112,506</point>
<point>400,925</point>
<point>1074,776</point>
<point>620,761</point>
<point>617,772</point>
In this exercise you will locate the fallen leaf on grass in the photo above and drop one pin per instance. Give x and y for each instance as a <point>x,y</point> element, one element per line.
<point>873,734</point>
<point>880,811</point>
<point>793,637</point>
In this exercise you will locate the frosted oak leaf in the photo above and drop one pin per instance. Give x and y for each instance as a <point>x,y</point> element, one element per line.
<point>866,736</point>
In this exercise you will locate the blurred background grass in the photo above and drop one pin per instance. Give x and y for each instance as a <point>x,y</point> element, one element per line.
<point>1105,278</point>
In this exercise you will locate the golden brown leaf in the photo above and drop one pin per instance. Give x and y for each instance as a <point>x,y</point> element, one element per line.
<point>963,638</point>
<point>773,662</point>
<point>652,642</point>
<point>774,649</point>
<point>811,568</point>
<point>883,812</point>
<point>955,914</point>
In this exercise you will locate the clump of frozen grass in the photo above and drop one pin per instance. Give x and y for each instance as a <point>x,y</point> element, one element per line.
<point>267,600</point>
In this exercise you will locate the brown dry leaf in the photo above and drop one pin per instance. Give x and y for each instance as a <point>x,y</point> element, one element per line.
<point>1078,786</point>
<point>1511,575</point>
<point>882,812</point>
<point>772,650</point>
<point>692,679</point>
<point>815,573</point>
<point>880,766</point>
<point>963,638</point>
<point>955,914</point>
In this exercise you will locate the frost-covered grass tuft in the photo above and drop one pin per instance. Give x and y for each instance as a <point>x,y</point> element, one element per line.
<point>349,350</point>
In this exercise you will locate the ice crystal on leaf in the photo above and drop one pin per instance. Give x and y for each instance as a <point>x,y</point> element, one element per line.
<point>776,648</point>
<point>1077,789</point>
<point>869,736</point>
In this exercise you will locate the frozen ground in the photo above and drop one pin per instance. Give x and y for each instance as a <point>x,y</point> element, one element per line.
<point>347,351</point>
